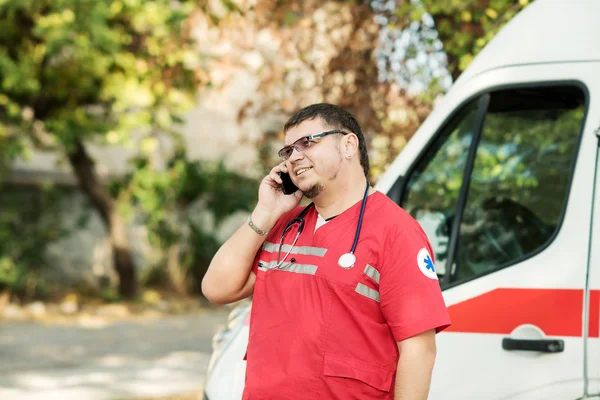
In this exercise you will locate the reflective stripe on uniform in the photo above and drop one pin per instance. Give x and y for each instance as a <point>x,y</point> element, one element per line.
<point>299,250</point>
<point>367,292</point>
<point>289,267</point>
<point>372,272</point>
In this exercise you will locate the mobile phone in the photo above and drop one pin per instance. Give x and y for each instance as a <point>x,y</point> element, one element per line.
<point>288,186</point>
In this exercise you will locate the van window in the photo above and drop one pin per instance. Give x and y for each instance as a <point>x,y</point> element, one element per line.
<point>520,178</point>
<point>432,190</point>
<point>518,185</point>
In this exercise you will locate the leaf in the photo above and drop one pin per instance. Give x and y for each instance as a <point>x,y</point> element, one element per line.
<point>465,60</point>
<point>493,14</point>
<point>83,220</point>
<point>290,18</point>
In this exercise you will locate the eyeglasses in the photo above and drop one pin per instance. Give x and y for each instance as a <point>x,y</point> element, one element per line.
<point>304,142</point>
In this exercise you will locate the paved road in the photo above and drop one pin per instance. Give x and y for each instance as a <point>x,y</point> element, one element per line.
<point>116,361</point>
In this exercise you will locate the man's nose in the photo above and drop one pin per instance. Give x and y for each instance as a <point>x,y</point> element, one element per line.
<point>295,156</point>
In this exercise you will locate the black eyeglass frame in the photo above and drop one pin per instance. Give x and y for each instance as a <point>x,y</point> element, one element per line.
<point>309,139</point>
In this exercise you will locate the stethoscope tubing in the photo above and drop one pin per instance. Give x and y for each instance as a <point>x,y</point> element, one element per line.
<point>300,221</point>
<point>360,219</point>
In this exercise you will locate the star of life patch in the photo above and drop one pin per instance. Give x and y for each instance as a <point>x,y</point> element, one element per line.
<point>425,263</point>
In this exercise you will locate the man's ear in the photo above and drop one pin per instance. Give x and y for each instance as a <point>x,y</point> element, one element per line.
<point>351,145</point>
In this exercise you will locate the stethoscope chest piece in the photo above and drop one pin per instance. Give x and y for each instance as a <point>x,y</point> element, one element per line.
<point>347,260</point>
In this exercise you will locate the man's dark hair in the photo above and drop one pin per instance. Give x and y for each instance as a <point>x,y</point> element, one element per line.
<point>337,118</point>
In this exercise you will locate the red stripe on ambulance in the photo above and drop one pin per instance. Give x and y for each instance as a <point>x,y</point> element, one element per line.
<point>557,312</point>
<point>594,325</point>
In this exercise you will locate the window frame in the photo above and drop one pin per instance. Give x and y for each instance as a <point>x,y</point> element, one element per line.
<point>398,189</point>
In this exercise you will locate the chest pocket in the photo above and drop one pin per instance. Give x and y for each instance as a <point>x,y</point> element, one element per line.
<point>332,272</point>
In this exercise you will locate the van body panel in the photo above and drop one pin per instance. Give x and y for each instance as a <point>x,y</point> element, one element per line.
<point>556,390</point>
<point>472,366</point>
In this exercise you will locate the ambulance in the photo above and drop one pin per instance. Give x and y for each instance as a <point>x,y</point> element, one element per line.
<point>502,176</point>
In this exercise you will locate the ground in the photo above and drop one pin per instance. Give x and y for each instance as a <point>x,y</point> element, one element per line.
<point>107,352</point>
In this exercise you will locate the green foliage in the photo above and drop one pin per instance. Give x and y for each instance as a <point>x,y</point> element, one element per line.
<point>115,72</point>
<point>109,294</point>
<point>438,185</point>
<point>162,194</point>
<point>521,155</point>
<point>162,200</point>
<point>226,192</point>
<point>229,192</point>
<point>71,69</point>
<point>202,246</point>
<point>463,26</point>
<point>27,226</point>
<point>527,155</point>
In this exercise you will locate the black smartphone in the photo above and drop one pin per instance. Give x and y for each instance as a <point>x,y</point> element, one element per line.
<point>288,186</point>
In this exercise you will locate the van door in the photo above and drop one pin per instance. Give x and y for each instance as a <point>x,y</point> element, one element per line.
<point>495,190</point>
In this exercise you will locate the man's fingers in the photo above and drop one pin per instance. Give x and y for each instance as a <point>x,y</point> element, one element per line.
<point>272,183</point>
<point>273,180</point>
<point>274,174</point>
<point>275,177</point>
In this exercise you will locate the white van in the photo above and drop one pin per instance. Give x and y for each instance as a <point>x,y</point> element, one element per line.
<point>502,178</point>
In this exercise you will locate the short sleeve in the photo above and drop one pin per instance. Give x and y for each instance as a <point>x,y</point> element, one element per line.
<point>410,294</point>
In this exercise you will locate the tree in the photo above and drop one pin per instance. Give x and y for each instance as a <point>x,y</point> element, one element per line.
<point>110,72</point>
<point>463,26</point>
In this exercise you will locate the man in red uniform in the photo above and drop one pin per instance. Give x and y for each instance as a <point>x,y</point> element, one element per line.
<point>346,302</point>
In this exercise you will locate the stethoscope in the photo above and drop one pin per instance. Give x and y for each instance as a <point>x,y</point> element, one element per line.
<point>346,260</point>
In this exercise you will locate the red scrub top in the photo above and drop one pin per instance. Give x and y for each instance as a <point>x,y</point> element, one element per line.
<point>319,331</point>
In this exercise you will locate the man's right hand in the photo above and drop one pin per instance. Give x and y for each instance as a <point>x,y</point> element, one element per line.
<point>272,202</point>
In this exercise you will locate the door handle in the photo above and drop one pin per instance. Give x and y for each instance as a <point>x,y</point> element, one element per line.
<point>540,345</point>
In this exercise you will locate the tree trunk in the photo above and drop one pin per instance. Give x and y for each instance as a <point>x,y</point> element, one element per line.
<point>83,168</point>
<point>176,275</point>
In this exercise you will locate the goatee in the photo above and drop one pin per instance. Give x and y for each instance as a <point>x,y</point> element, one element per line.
<point>313,191</point>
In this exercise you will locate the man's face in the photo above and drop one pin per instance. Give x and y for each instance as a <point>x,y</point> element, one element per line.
<point>313,168</point>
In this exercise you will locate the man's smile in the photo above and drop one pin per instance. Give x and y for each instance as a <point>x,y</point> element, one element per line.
<point>302,170</point>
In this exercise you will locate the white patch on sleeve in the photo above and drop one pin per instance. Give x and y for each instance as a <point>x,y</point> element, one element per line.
<point>425,263</point>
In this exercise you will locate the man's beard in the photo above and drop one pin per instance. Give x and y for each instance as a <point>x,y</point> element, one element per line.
<point>318,188</point>
<point>313,191</point>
